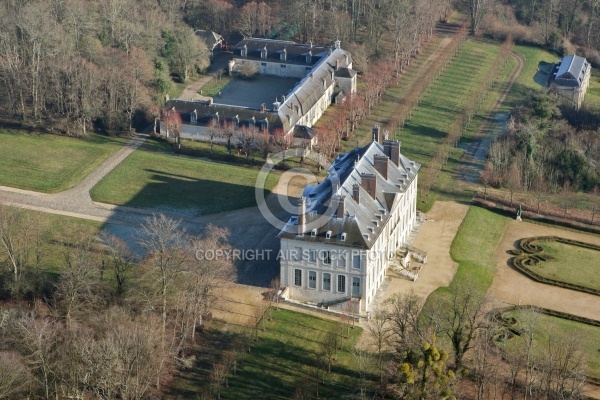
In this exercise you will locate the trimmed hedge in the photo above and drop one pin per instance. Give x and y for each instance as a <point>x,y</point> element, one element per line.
<point>531,253</point>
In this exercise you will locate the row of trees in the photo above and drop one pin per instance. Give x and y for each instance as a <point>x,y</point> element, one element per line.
<point>111,324</point>
<point>413,363</point>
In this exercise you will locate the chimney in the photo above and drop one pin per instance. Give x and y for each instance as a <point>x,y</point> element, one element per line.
<point>381,165</point>
<point>341,206</point>
<point>356,193</point>
<point>392,150</point>
<point>302,216</point>
<point>369,183</point>
<point>376,133</point>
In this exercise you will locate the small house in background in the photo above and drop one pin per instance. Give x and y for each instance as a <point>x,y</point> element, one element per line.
<point>214,41</point>
<point>571,78</point>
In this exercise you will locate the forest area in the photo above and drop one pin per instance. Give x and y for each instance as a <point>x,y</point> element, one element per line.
<point>94,321</point>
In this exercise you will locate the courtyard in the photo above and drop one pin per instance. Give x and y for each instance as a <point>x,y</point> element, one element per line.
<point>252,93</point>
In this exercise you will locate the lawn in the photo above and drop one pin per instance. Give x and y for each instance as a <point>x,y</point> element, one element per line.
<point>282,360</point>
<point>154,177</point>
<point>553,327</point>
<point>530,78</point>
<point>592,97</point>
<point>571,264</point>
<point>215,86</point>
<point>474,248</point>
<point>50,163</point>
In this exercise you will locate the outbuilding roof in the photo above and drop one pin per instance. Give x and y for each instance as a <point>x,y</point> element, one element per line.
<point>571,71</point>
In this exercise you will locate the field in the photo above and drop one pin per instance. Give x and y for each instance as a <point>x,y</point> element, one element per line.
<point>153,177</point>
<point>50,163</point>
<point>282,360</point>
<point>214,86</point>
<point>556,328</point>
<point>571,264</point>
<point>592,97</point>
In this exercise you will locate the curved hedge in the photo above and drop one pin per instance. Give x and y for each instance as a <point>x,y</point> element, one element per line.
<point>529,252</point>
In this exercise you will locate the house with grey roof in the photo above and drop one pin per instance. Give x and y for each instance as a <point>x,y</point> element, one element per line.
<point>571,78</point>
<point>324,73</point>
<point>212,39</point>
<point>349,227</point>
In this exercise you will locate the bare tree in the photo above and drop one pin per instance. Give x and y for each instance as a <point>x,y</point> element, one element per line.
<point>464,319</point>
<point>13,376</point>
<point>476,10</point>
<point>380,330</point>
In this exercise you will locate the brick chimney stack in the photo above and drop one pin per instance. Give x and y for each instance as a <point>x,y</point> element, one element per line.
<point>391,149</point>
<point>341,206</point>
<point>356,193</point>
<point>302,216</point>
<point>376,133</point>
<point>369,183</point>
<point>381,165</point>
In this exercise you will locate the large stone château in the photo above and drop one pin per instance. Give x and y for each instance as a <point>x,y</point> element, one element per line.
<point>338,247</point>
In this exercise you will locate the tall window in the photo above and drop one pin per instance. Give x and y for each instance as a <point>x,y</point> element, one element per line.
<point>312,256</point>
<point>326,257</point>
<point>355,286</point>
<point>341,283</point>
<point>312,280</point>
<point>326,281</point>
<point>298,277</point>
<point>356,262</point>
<point>342,261</point>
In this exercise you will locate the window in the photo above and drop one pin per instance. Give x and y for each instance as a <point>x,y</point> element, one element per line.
<point>326,257</point>
<point>355,286</point>
<point>263,64</point>
<point>328,235</point>
<point>356,262</point>
<point>312,280</point>
<point>342,261</point>
<point>298,277</point>
<point>326,281</point>
<point>313,233</point>
<point>343,238</point>
<point>312,256</point>
<point>297,254</point>
<point>283,66</point>
<point>341,284</point>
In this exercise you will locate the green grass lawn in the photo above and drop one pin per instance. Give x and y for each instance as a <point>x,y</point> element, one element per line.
<point>51,163</point>
<point>215,86</point>
<point>530,78</point>
<point>571,264</point>
<point>153,177</point>
<point>474,248</point>
<point>280,361</point>
<point>592,97</point>
<point>548,326</point>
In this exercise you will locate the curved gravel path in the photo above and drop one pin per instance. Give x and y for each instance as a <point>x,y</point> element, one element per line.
<point>76,202</point>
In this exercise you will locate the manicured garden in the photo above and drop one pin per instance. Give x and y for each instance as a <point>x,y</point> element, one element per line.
<point>51,163</point>
<point>548,328</point>
<point>569,263</point>
<point>282,360</point>
<point>154,177</point>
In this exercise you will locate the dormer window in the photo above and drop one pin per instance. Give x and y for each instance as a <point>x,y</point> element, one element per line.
<point>263,52</point>
<point>328,235</point>
<point>309,57</point>
<point>297,109</point>
<point>313,233</point>
<point>244,51</point>
<point>283,55</point>
<point>324,83</point>
<point>343,237</point>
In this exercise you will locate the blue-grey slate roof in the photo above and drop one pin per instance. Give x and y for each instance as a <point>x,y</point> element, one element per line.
<point>358,221</point>
<point>571,71</point>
